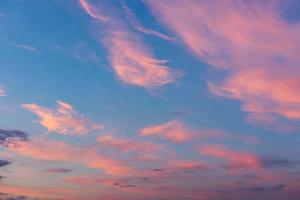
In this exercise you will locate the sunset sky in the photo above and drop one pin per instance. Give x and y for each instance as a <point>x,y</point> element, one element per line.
<point>149,99</point>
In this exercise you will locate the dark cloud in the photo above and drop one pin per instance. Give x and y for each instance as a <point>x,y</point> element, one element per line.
<point>263,189</point>
<point>59,170</point>
<point>123,185</point>
<point>17,198</point>
<point>7,196</point>
<point>223,191</point>
<point>3,163</point>
<point>2,177</point>
<point>179,113</point>
<point>279,187</point>
<point>269,162</point>
<point>159,169</point>
<point>129,185</point>
<point>12,137</point>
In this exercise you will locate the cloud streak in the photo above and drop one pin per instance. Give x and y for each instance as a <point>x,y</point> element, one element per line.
<point>127,145</point>
<point>60,151</point>
<point>59,170</point>
<point>235,159</point>
<point>138,26</point>
<point>173,131</point>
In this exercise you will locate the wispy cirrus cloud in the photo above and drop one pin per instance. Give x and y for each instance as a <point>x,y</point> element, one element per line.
<point>64,119</point>
<point>250,41</point>
<point>138,26</point>
<point>92,11</point>
<point>174,131</point>
<point>132,60</point>
<point>26,47</point>
<point>20,45</point>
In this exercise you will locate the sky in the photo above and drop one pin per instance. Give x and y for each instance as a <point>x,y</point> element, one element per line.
<point>149,100</point>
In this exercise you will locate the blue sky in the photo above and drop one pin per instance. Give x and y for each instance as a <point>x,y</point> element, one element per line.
<point>149,99</point>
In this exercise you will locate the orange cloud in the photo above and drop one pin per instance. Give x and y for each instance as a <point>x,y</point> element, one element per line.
<point>251,41</point>
<point>132,61</point>
<point>236,159</point>
<point>64,119</point>
<point>127,145</point>
<point>173,131</point>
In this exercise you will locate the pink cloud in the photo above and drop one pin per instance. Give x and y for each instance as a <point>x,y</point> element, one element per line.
<point>250,41</point>
<point>133,62</point>
<point>92,11</point>
<point>127,145</point>
<point>236,159</point>
<point>138,26</point>
<point>223,135</point>
<point>64,119</point>
<point>60,151</point>
<point>40,192</point>
<point>173,131</point>
<point>2,92</point>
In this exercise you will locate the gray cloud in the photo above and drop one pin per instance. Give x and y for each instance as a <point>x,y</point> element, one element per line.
<point>263,189</point>
<point>59,170</point>
<point>3,162</point>
<point>12,137</point>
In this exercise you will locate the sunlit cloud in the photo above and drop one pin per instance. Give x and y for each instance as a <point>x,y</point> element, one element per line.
<point>249,41</point>
<point>205,136</point>
<point>235,159</point>
<point>127,145</point>
<point>92,11</point>
<point>45,149</point>
<point>133,61</point>
<point>173,131</point>
<point>64,119</point>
